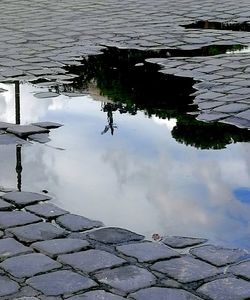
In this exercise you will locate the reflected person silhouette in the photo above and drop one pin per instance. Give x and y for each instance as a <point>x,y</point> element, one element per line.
<point>108,107</point>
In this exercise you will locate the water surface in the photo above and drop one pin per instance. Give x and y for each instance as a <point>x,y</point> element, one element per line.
<point>139,178</point>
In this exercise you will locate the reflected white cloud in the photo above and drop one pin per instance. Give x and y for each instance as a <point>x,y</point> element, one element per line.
<point>140,178</point>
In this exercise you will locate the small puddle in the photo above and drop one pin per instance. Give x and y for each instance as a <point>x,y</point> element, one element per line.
<point>129,154</point>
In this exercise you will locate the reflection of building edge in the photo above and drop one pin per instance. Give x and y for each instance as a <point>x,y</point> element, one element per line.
<point>18,147</point>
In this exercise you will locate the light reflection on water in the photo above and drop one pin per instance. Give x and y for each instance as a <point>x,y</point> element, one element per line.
<point>140,178</point>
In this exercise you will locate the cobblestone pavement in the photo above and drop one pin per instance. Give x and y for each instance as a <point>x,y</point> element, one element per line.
<point>49,253</point>
<point>37,38</point>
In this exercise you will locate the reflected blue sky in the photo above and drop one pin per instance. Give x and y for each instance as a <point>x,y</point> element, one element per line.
<point>140,178</point>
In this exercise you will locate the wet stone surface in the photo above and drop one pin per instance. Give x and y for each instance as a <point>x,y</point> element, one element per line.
<point>126,279</point>
<point>186,269</point>
<point>163,293</point>
<point>91,260</point>
<point>42,261</point>
<point>77,223</point>
<point>227,288</point>
<point>112,235</point>
<point>60,283</point>
<point>218,256</point>
<point>24,198</point>
<point>60,246</point>
<point>37,41</point>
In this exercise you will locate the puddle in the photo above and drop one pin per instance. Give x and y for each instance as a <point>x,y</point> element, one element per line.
<point>129,154</point>
<point>245,26</point>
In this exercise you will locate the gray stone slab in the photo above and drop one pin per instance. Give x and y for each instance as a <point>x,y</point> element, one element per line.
<point>47,125</point>
<point>226,288</point>
<point>239,122</point>
<point>5,205</point>
<point>91,260</point>
<point>242,269</point>
<point>218,256</point>
<point>114,235</point>
<point>96,295</point>
<point>211,116</point>
<point>186,269</point>
<point>163,294</point>
<point>40,138</point>
<point>10,247</point>
<point>24,198</point>
<point>28,265</point>
<point>77,223</point>
<point>5,125</point>
<point>60,246</point>
<point>46,210</point>
<point>60,283</point>
<point>147,251</point>
<point>245,115</point>
<point>179,242</point>
<point>16,218</point>
<point>26,130</point>
<point>37,232</point>
<point>43,95</point>
<point>126,279</point>
<point>232,108</point>
<point>7,286</point>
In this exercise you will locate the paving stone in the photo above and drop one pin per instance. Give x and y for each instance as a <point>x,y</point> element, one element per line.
<point>91,260</point>
<point>242,269</point>
<point>60,246</point>
<point>47,125</point>
<point>239,122</point>
<point>5,125</point>
<point>218,256</point>
<point>163,294</point>
<point>24,198</point>
<point>245,115</point>
<point>77,223</point>
<point>10,247</point>
<point>37,232</point>
<point>232,108</point>
<point>46,210</point>
<point>60,283</point>
<point>43,95</point>
<point>16,218</point>
<point>226,288</point>
<point>182,242</point>
<point>96,295</point>
<point>40,138</point>
<point>1,234</point>
<point>186,269</point>
<point>29,265</point>
<point>7,286</point>
<point>114,235</point>
<point>147,251</point>
<point>126,279</point>
<point>5,205</point>
<point>25,130</point>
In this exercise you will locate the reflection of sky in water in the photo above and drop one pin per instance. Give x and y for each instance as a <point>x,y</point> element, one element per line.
<point>140,178</point>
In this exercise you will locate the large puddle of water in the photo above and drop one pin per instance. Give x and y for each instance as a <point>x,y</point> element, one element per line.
<point>138,162</point>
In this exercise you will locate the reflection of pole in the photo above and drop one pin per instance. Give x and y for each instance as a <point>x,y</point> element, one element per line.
<point>17,101</point>
<point>19,167</point>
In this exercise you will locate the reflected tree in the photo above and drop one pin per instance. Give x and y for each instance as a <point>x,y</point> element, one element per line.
<point>132,84</point>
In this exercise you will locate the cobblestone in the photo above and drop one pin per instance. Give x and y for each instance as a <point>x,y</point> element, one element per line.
<point>37,39</point>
